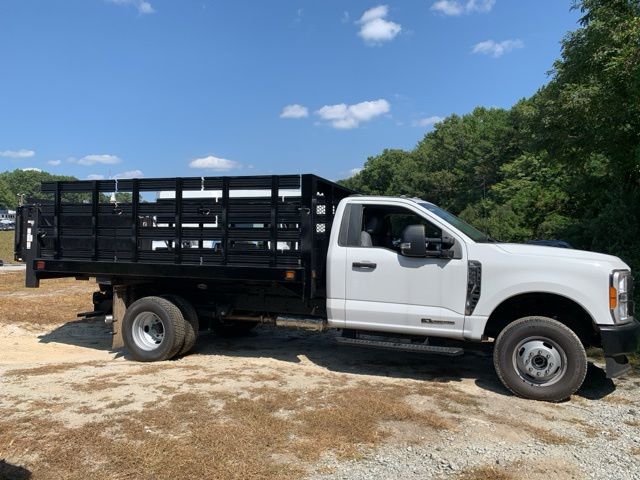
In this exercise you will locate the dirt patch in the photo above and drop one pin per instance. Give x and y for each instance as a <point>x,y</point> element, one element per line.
<point>486,473</point>
<point>542,434</point>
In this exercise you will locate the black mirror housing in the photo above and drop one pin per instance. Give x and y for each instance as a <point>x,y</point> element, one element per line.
<point>447,242</point>
<point>413,241</point>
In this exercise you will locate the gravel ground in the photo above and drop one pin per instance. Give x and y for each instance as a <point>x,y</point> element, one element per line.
<point>46,372</point>
<point>601,425</point>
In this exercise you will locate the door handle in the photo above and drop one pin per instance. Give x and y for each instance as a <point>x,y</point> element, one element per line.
<point>368,265</point>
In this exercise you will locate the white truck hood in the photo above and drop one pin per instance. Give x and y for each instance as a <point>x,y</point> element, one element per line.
<point>562,253</point>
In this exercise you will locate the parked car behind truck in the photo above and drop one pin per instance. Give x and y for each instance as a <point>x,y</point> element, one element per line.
<point>228,253</point>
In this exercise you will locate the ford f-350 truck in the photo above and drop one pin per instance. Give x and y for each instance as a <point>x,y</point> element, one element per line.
<point>173,256</point>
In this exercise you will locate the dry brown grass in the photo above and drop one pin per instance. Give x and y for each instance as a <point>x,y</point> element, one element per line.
<point>633,423</point>
<point>538,433</point>
<point>488,472</point>
<point>617,400</point>
<point>589,430</point>
<point>56,301</point>
<point>635,451</point>
<point>96,384</point>
<point>45,369</point>
<point>266,377</point>
<point>6,246</point>
<point>349,418</point>
<point>116,404</point>
<point>267,433</point>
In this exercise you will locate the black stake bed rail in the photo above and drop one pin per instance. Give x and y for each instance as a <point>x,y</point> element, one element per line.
<point>264,228</point>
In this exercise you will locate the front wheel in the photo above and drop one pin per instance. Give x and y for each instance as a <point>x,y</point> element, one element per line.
<point>540,358</point>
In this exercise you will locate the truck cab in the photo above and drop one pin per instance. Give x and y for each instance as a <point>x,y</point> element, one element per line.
<point>408,267</point>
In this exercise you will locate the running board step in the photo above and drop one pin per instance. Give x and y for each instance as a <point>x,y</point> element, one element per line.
<point>404,347</point>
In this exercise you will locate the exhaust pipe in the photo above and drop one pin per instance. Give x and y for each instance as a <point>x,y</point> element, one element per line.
<point>303,323</point>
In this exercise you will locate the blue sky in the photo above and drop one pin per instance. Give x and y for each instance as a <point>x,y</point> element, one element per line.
<point>100,88</point>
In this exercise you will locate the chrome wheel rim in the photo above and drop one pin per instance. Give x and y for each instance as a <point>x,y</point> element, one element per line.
<point>539,361</point>
<point>147,331</point>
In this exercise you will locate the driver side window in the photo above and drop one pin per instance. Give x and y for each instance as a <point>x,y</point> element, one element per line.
<point>381,226</point>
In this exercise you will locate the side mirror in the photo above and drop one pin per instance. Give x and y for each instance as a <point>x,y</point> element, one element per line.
<point>413,241</point>
<point>447,242</point>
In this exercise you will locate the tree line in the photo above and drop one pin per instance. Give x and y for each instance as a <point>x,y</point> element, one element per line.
<point>24,182</point>
<point>562,164</point>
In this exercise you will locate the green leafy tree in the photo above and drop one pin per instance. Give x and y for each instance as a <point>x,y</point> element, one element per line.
<point>380,174</point>
<point>27,182</point>
<point>7,200</point>
<point>457,163</point>
<point>589,117</point>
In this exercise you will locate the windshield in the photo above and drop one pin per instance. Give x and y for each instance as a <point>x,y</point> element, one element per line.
<point>472,232</point>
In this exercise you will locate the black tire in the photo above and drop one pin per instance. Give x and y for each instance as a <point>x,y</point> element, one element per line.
<point>540,358</point>
<point>232,328</point>
<point>192,325</point>
<point>153,310</point>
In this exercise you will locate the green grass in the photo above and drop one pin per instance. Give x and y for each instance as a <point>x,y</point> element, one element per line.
<point>6,246</point>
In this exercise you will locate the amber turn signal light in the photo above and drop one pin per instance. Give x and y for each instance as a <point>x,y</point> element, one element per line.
<point>613,298</point>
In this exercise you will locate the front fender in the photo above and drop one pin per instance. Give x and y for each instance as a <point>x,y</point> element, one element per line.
<point>498,297</point>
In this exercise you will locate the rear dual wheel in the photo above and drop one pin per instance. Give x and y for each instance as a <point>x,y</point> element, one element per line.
<point>191,322</point>
<point>159,328</point>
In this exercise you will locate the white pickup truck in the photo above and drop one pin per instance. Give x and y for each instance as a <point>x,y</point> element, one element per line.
<point>389,272</point>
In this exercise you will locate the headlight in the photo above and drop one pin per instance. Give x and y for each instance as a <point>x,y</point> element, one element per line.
<point>621,296</point>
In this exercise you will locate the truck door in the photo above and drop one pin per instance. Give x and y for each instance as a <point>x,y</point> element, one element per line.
<point>386,291</point>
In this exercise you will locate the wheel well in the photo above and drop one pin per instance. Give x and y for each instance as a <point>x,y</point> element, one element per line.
<point>560,308</point>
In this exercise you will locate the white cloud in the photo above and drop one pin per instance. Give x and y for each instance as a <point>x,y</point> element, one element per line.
<point>294,111</point>
<point>354,171</point>
<point>96,159</point>
<point>375,29</point>
<point>345,17</point>
<point>54,163</point>
<point>380,11</point>
<point>455,7</point>
<point>427,122</point>
<point>214,163</point>
<point>31,169</point>
<point>22,153</point>
<point>143,6</point>
<point>129,174</point>
<point>95,176</point>
<point>345,116</point>
<point>497,49</point>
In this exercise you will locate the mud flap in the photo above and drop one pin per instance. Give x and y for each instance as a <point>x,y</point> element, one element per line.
<point>121,298</point>
<point>617,366</point>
